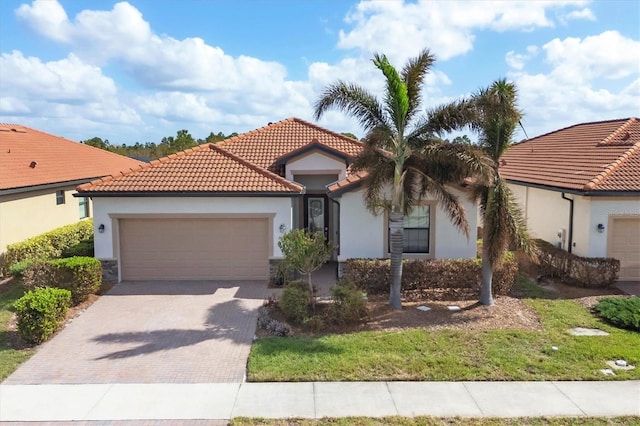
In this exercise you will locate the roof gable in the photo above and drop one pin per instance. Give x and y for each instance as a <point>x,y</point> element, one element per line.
<point>266,145</point>
<point>205,169</point>
<point>588,157</point>
<point>313,146</point>
<point>32,158</point>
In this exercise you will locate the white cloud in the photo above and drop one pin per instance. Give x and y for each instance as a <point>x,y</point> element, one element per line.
<point>68,80</point>
<point>405,28</point>
<point>573,89</point>
<point>155,61</point>
<point>585,13</point>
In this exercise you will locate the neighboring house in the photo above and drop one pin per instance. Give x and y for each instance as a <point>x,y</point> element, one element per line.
<point>580,189</point>
<point>38,176</point>
<point>218,211</point>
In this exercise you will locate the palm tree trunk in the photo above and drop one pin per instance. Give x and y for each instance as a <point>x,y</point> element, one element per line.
<point>396,231</point>
<point>486,296</point>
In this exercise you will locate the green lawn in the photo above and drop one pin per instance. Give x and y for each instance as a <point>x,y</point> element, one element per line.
<point>453,355</point>
<point>433,421</point>
<point>10,358</point>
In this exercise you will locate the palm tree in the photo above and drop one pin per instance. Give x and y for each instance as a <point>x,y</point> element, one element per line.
<point>402,150</point>
<point>497,117</point>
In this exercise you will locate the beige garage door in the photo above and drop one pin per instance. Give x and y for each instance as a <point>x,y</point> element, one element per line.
<point>194,249</point>
<point>625,246</point>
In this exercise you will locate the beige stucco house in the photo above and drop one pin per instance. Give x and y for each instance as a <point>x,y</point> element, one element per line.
<point>38,176</point>
<point>580,189</point>
<point>218,211</point>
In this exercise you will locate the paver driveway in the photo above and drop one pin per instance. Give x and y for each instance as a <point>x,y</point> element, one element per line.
<point>154,332</point>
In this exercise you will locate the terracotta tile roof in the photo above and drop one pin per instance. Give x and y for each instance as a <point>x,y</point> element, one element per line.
<point>598,156</point>
<point>347,183</point>
<point>29,157</point>
<point>204,169</point>
<point>264,146</point>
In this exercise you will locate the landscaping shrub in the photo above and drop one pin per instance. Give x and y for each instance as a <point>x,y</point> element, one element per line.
<point>593,272</point>
<point>18,269</point>
<point>80,275</point>
<point>294,302</point>
<point>48,245</point>
<point>349,304</point>
<point>39,273</point>
<point>83,248</point>
<point>40,312</point>
<point>621,312</point>
<point>442,279</point>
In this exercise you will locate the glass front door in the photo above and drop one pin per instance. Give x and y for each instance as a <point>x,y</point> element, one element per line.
<point>316,217</point>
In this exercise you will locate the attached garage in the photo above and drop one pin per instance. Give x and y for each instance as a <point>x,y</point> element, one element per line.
<point>624,244</point>
<point>194,248</point>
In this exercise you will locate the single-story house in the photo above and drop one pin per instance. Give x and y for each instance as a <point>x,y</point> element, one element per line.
<point>217,211</point>
<point>580,189</point>
<point>38,176</point>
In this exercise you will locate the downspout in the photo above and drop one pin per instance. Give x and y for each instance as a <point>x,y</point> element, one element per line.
<point>570,242</point>
<point>336,222</point>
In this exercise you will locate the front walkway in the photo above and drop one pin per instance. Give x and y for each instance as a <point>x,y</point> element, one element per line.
<point>120,402</point>
<point>153,332</point>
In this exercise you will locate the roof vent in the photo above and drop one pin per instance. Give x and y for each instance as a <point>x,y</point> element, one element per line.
<point>33,164</point>
<point>626,136</point>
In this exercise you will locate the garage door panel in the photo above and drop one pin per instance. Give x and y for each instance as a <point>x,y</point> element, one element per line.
<point>625,246</point>
<point>194,249</point>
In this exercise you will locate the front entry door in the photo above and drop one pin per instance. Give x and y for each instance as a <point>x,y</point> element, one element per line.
<point>316,214</point>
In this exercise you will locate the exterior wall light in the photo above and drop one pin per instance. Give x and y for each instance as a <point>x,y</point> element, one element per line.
<point>283,228</point>
<point>600,228</point>
<point>101,228</point>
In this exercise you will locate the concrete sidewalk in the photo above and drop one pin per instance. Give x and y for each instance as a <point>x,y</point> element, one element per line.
<point>316,400</point>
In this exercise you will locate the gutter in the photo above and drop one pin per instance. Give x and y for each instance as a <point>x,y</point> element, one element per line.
<point>188,194</point>
<point>576,191</point>
<point>570,242</point>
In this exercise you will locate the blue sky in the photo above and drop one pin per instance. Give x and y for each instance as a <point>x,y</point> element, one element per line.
<point>140,70</point>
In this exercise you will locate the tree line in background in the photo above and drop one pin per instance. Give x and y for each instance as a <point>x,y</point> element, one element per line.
<point>183,140</point>
<point>151,151</point>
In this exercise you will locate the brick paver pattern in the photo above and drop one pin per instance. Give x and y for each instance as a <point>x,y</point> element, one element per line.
<point>154,332</point>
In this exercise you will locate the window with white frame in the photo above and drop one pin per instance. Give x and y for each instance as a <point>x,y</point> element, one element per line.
<point>83,207</point>
<point>416,230</point>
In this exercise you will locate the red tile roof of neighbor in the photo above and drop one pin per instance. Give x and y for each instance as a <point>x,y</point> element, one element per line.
<point>29,157</point>
<point>244,163</point>
<point>204,169</point>
<point>601,156</point>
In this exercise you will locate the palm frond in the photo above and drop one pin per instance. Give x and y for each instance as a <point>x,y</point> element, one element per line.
<point>447,201</point>
<point>355,101</point>
<point>446,118</point>
<point>396,95</point>
<point>413,75</point>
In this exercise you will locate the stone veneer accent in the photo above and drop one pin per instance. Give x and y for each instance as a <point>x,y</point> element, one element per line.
<point>110,270</point>
<point>342,269</point>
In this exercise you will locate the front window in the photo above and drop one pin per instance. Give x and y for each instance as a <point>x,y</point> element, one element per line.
<point>416,230</point>
<point>60,197</point>
<point>83,207</point>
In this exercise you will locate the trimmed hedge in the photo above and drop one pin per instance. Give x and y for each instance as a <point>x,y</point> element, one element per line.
<point>83,248</point>
<point>592,272</point>
<point>442,279</point>
<point>82,276</point>
<point>48,245</point>
<point>41,312</point>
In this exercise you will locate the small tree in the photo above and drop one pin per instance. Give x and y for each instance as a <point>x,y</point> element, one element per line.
<point>306,252</point>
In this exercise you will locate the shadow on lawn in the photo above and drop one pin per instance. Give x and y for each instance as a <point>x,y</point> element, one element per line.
<point>224,321</point>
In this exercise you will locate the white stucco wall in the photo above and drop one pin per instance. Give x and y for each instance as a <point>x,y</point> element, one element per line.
<point>108,209</point>
<point>316,163</point>
<point>450,243</point>
<point>363,235</point>
<point>602,209</point>
<point>25,215</point>
<point>547,213</point>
